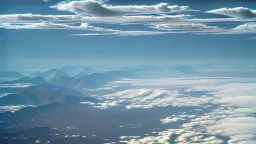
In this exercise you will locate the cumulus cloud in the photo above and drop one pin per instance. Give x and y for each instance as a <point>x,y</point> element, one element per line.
<point>246,28</point>
<point>238,12</point>
<point>99,9</point>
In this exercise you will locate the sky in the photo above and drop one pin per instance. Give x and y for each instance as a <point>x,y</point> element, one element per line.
<point>37,33</point>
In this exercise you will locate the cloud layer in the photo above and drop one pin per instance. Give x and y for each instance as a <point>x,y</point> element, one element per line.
<point>232,117</point>
<point>164,18</point>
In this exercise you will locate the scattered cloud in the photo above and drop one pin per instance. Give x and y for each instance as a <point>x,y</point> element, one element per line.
<point>159,16</point>
<point>99,9</point>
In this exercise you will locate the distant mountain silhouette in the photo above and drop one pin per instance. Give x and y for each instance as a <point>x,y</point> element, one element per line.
<point>84,72</point>
<point>50,74</point>
<point>10,74</point>
<point>182,68</point>
<point>145,68</point>
<point>115,75</point>
<point>93,80</point>
<point>33,81</point>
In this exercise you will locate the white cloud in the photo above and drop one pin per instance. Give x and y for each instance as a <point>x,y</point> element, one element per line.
<point>236,94</point>
<point>107,104</point>
<point>242,138</point>
<point>187,27</point>
<point>245,28</point>
<point>235,123</point>
<point>83,26</point>
<point>43,25</point>
<point>154,97</point>
<point>88,103</point>
<point>126,33</point>
<point>99,9</point>
<point>169,24</point>
<point>13,108</point>
<point>27,18</point>
<point>238,12</point>
<point>165,137</point>
<point>161,137</point>
<point>234,126</point>
<point>175,118</point>
<point>18,85</point>
<point>139,19</point>
<point>208,82</point>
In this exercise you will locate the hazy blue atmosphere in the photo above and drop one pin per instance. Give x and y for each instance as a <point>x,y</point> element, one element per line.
<point>127,71</point>
<point>190,36</point>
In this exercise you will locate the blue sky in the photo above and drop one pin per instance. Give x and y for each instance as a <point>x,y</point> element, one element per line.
<point>35,33</point>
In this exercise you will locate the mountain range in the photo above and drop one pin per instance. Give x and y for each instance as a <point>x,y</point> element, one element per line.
<point>93,80</point>
<point>43,94</point>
